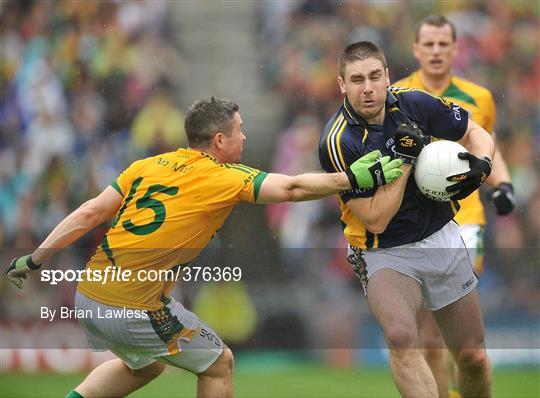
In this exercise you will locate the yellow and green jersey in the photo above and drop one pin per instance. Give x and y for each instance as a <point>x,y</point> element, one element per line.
<point>478,101</point>
<point>172,206</point>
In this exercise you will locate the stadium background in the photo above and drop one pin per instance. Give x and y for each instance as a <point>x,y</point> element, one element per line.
<point>88,87</point>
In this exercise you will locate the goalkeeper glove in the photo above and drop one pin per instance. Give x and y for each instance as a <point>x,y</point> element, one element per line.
<point>373,170</point>
<point>470,181</point>
<point>503,198</point>
<point>19,267</point>
<point>408,142</point>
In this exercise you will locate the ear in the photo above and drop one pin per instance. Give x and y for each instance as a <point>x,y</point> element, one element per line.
<point>387,77</point>
<point>455,50</point>
<point>415,49</point>
<point>218,140</point>
<point>341,83</point>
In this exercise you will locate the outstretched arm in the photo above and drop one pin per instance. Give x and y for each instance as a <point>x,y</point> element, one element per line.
<point>282,188</point>
<point>368,171</point>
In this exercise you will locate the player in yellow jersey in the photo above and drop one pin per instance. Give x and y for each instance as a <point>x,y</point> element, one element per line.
<point>435,49</point>
<point>166,209</point>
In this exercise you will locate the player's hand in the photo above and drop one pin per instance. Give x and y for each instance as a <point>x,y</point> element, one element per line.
<point>373,170</point>
<point>408,142</point>
<point>19,267</point>
<point>470,181</point>
<point>503,198</point>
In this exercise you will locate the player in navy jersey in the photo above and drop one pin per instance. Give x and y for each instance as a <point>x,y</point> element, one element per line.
<point>405,247</point>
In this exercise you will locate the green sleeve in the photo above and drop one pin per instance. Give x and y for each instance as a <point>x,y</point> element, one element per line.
<point>257,182</point>
<point>115,185</point>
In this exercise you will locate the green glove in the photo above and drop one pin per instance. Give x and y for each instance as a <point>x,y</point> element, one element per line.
<point>19,267</point>
<point>373,170</point>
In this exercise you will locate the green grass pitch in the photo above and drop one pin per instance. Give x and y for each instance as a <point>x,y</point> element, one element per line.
<point>309,381</point>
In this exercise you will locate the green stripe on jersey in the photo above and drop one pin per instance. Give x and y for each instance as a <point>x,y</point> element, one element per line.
<point>454,92</point>
<point>240,167</point>
<point>115,185</point>
<point>105,247</point>
<point>257,182</point>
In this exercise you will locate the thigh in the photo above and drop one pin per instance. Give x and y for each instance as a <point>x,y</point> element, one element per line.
<point>428,331</point>
<point>199,353</point>
<point>461,323</point>
<point>451,275</point>
<point>394,298</point>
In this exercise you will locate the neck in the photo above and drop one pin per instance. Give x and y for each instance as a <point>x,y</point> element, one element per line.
<point>209,151</point>
<point>435,83</point>
<point>377,119</point>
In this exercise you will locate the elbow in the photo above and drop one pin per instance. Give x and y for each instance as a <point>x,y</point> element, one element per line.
<point>296,196</point>
<point>376,227</point>
<point>89,216</point>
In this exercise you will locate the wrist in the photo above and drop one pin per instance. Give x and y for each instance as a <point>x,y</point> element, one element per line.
<point>30,263</point>
<point>407,159</point>
<point>487,159</point>
<point>504,187</point>
<point>352,179</point>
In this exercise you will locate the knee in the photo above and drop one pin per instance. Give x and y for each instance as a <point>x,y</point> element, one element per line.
<point>222,367</point>
<point>472,358</point>
<point>434,355</point>
<point>401,337</point>
<point>149,372</point>
<point>226,360</point>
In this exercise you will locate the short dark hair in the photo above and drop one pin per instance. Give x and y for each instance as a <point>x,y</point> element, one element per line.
<point>434,20</point>
<point>359,51</point>
<point>206,117</point>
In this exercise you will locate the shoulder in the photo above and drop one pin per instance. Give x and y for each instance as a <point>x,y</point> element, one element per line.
<point>337,132</point>
<point>473,89</point>
<point>416,100</point>
<point>405,82</point>
<point>339,144</point>
<point>142,163</point>
<point>238,168</point>
<point>335,123</point>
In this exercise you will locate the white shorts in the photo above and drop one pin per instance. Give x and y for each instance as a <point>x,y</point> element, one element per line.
<point>439,263</point>
<point>473,236</point>
<point>172,335</point>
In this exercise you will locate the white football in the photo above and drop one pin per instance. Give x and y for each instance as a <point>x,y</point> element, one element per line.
<point>437,161</point>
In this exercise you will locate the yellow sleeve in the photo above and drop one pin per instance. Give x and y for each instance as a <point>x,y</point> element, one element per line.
<point>125,179</point>
<point>491,113</point>
<point>246,180</point>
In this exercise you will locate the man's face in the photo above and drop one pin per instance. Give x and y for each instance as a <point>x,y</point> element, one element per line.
<point>233,145</point>
<point>365,82</point>
<point>435,49</point>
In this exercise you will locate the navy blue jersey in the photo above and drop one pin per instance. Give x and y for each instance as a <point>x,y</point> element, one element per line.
<point>347,136</point>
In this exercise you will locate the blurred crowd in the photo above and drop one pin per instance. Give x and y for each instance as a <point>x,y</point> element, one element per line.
<point>87,87</point>
<point>498,48</point>
<point>90,86</point>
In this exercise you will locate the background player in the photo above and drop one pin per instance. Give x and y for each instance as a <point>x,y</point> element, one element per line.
<point>435,48</point>
<point>423,254</point>
<point>166,208</point>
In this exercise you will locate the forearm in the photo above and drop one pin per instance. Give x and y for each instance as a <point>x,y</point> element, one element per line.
<point>478,141</point>
<point>384,205</point>
<point>387,201</point>
<point>499,173</point>
<point>68,231</point>
<point>316,186</point>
